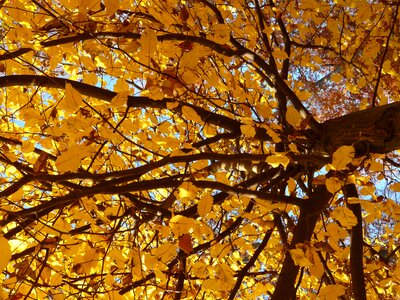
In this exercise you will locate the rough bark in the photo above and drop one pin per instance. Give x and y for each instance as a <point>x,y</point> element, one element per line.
<point>309,214</point>
<point>356,248</point>
<point>374,130</point>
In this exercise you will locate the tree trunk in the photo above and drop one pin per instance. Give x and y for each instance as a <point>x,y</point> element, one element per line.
<point>374,130</point>
<point>356,248</point>
<point>309,214</point>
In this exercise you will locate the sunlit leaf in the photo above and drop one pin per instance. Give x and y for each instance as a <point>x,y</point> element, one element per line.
<point>293,117</point>
<point>291,185</point>
<point>280,54</point>
<point>277,160</point>
<point>345,216</point>
<point>5,251</point>
<point>299,257</point>
<point>120,99</point>
<point>187,191</point>
<point>111,6</point>
<point>190,114</point>
<point>148,42</point>
<point>165,252</point>
<point>70,160</point>
<point>332,291</point>
<point>181,225</point>
<point>248,130</point>
<point>205,204</point>
<point>343,156</point>
<point>395,186</point>
<point>72,101</point>
<point>333,184</point>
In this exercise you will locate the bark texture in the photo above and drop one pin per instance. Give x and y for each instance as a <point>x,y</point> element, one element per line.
<point>356,248</point>
<point>309,214</point>
<point>374,130</point>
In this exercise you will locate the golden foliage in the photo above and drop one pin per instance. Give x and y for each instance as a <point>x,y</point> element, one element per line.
<point>168,149</point>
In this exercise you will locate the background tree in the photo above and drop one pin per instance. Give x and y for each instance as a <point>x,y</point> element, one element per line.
<point>199,149</point>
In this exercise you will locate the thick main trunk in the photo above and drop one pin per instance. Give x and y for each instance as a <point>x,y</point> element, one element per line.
<point>372,130</point>
<point>309,214</point>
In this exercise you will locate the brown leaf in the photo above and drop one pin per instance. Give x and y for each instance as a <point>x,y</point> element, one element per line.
<point>41,162</point>
<point>185,243</point>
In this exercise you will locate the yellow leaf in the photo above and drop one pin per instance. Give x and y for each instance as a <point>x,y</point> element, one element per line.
<point>5,253</point>
<point>275,137</point>
<point>187,191</point>
<point>342,156</point>
<point>109,279</point>
<point>304,95</point>
<point>280,54</point>
<point>181,225</point>
<point>148,42</point>
<point>395,187</point>
<point>354,200</point>
<point>205,204</point>
<point>225,274</point>
<point>172,105</point>
<point>248,130</point>
<point>160,277</point>
<point>336,77</point>
<point>72,101</point>
<point>209,130</point>
<point>291,185</point>
<point>121,85</point>
<point>70,160</point>
<point>190,114</point>
<point>28,146</point>
<point>221,33</point>
<point>309,4</point>
<point>376,166</point>
<point>210,284</point>
<point>190,59</point>
<point>120,100</point>
<point>111,6</point>
<point>201,270</point>
<point>331,292</point>
<point>333,184</point>
<point>300,258</point>
<point>293,117</point>
<point>165,252</point>
<point>317,269</point>
<point>276,160</point>
<point>345,217</point>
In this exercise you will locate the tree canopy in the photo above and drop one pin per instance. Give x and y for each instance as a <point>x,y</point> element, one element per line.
<point>199,149</point>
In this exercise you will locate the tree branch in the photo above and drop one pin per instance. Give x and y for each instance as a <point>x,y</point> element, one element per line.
<point>309,214</point>
<point>356,248</point>
<point>133,101</point>
<point>378,79</point>
<point>221,49</point>
<point>243,272</point>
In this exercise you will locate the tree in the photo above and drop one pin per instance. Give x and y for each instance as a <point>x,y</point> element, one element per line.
<point>199,149</point>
